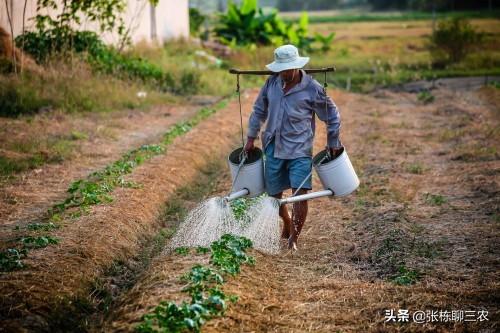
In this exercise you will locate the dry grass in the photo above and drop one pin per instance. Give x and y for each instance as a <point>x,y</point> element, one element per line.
<point>59,274</point>
<point>350,250</point>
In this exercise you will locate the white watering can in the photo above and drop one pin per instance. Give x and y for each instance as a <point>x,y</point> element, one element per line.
<point>247,172</point>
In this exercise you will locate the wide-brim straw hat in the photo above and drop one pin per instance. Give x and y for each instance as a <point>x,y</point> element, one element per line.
<point>287,57</point>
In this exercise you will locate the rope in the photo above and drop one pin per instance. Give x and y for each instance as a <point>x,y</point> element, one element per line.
<point>325,85</point>
<point>239,102</point>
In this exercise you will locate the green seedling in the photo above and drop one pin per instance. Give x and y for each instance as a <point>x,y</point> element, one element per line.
<point>11,259</point>
<point>425,97</point>
<point>406,276</point>
<point>415,168</point>
<point>182,250</point>
<point>435,199</point>
<point>203,286</point>
<point>38,242</point>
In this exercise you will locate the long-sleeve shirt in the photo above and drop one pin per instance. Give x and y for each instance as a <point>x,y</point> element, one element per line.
<point>290,116</point>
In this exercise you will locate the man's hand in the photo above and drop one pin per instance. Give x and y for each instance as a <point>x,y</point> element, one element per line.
<point>336,151</point>
<point>249,145</point>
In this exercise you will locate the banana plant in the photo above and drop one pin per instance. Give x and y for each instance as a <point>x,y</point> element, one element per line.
<point>248,25</point>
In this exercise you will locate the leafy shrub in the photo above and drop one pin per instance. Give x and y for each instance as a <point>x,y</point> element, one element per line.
<point>43,45</point>
<point>16,99</point>
<point>452,40</point>
<point>196,19</point>
<point>247,24</point>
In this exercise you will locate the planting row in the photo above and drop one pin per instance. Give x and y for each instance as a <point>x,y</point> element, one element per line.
<point>204,282</point>
<point>96,189</point>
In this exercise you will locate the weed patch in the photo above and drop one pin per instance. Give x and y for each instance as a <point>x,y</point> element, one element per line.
<point>435,199</point>
<point>415,168</point>
<point>406,276</point>
<point>425,97</point>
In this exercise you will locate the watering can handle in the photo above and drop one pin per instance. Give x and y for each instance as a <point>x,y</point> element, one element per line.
<point>243,157</point>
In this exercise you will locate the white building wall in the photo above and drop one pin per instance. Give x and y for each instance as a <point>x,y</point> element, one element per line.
<point>172,20</point>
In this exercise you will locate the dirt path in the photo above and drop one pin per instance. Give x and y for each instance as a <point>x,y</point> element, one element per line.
<point>426,216</point>
<point>27,199</point>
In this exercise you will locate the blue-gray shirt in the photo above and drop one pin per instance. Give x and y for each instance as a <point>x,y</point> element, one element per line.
<point>290,116</point>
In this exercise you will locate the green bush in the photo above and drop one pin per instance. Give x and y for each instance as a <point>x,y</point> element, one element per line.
<point>453,39</point>
<point>16,99</point>
<point>247,25</point>
<point>196,19</point>
<point>42,45</point>
<point>105,59</point>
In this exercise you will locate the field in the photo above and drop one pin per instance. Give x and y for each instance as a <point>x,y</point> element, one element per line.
<point>90,200</point>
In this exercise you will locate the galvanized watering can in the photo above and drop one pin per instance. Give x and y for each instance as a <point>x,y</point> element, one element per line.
<point>247,173</point>
<point>337,175</point>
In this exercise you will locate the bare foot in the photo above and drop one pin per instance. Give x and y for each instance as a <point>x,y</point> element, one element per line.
<point>285,233</point>
<point>292,243</point>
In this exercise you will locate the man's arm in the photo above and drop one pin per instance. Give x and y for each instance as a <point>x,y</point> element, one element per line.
<point>258,117</point>
<point>331,117</point>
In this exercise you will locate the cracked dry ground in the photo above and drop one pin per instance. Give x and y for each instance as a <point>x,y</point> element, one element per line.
<point>426,213</point>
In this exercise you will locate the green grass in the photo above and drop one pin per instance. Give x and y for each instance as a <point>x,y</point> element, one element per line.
<point>415,168</point>
<point>425,97</point>
<point>406,276</point>
<point>435,199</point>
<point>72,89</point>
<point>395,17</point>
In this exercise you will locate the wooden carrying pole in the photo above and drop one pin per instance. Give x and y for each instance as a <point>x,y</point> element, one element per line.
<point>307,70</point>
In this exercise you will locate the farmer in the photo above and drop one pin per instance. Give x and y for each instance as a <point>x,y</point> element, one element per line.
<point>289,101</point>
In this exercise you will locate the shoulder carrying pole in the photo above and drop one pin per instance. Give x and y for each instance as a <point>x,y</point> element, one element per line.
<point>307,70</point>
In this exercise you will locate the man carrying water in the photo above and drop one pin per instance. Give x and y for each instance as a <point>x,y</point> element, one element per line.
<point>289,102</point>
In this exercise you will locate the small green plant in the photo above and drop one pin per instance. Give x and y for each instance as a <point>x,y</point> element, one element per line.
<point>11,259</point>
<point>31,242</point>
<point>416,168</point>
<point>425,97</point>
<point>494,84</point>
<point>182,250</point>
<point>229,253</point>
<point>406,276</point>
<point>239,208</point>
<point>96,189</point>
<point>207,299</point>
<point>202,250</point>
<point>41,226</point>
<point>435,199</point>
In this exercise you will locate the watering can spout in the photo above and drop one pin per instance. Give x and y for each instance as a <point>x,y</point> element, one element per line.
<point>306,196</point>
<point>236,195</point>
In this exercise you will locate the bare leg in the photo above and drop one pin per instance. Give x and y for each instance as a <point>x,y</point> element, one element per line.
<point>299,216</point>
<point>287,221</point>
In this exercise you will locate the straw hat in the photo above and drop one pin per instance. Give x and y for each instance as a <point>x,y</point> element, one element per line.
<point>287,57</point>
